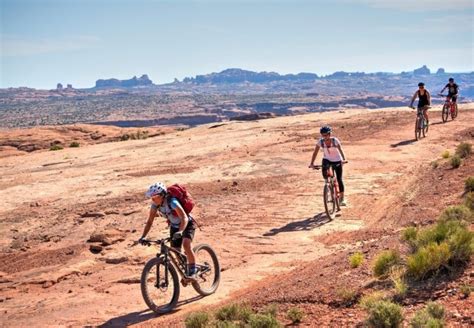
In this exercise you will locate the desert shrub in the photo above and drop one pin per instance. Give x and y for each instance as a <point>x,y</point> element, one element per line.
<point>124,137</point>
<point>455,161</point>
<point>197,320</point>
<point>466,290</point>
<point>263,321</point>
<point>295,315</point>
<point>457,212</point>
<point>469,184</point>
<point>346,295</point>
<point>461,245</point>
<point>431,316</point>
<point>434,164</point>
<point>397,276</point>
<point>428,259</point>
<point>55,147</point>
<point>464,149</point>
<point>445,154</point>
<point>227,324</point>
<point>367,301</point>
<point>469,200</point>
<point>384,262</point>
<point>385,314</point>
<point>74,144</point>
<point>356,259</point>
<point>234,312</point>
<point>271,309</point>
<point>409,235</point>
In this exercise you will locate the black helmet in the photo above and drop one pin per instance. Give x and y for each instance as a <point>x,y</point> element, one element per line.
<point>451,79</point>
<point>421,84</point>
<point>325,129</point>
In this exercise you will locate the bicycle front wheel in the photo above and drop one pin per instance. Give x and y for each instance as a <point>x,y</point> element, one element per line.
<point>329,201</point>
<point>160,287</point>
<point>454,113</point>
<point>445,113</point>
<point>418,128</point>
<point>209,270</point>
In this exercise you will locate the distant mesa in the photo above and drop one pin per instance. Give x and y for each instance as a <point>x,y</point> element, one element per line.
<point>59,87</point>
<point>133,82</point>
<point>237,75</point>
<point>422,71</point>
<point>440,71</point>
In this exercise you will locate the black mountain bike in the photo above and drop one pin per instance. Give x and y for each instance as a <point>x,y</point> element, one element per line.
<point>421,124</point>
<point>160,281</point>
<point>330,192</point>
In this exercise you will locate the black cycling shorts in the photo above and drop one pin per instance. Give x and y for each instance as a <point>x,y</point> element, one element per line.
<point>187,233</point>
<point>453,97</point>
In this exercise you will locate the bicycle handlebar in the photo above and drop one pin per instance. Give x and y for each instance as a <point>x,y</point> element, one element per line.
<point>318,167</point>
<point>147,242</point>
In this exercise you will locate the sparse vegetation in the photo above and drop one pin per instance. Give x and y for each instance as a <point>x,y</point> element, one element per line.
<point>428,259</point>
<point>397,275</point>
<point>434,164</point>
<point>134,136</point>
<point>347,296</point>
<point>56,147</point>
<point>74,144</point>
<point>385,261</point>
<point>409,235</point>
<point>271,309</point>
<point>445,154</point>
<point>457,213</point>
<point>469,184</point>
<point>464,149</point>
<point>431,316</point>
<point>263,321</point>
<point>455,161</point>
<point>234,312</point>
<point>197,320</point>
<point>367,301</point>
<point>356,259</point>
<point>295,315</point>
<point>466,290</point>
<point>385,314</point>
<point>469,201</point>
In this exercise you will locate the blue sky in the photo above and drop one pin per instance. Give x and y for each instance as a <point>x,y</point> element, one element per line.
<point>44,42</point>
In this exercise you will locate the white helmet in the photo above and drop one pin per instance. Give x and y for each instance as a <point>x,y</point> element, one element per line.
<point>155,189</point>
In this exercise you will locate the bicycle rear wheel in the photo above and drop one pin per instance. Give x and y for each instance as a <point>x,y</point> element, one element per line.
<point>209,270</point>
<point>445,113</point>
<point>329,201</point>
<point>160,291</point>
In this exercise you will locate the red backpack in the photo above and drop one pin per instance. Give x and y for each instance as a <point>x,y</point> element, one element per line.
<point>183,196</point>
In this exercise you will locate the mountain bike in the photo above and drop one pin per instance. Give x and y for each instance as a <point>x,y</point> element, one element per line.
<point>449,108</point>
<point>330,191</point>
<point>421,124</point>
<point>160,281</point>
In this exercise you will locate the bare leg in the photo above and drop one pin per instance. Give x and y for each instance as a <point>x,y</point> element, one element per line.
<point>188,250</point>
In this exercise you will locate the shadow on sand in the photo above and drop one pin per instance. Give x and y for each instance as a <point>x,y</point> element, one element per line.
<point>403,143</point>
<point>141,316</point>
<point>303,225</point>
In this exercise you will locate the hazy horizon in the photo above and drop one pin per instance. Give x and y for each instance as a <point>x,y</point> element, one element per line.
<point>48,42</point>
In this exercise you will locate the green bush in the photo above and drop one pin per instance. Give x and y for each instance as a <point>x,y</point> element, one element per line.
<point>397,275</point>
<point>369,300</point>
<point>385,261</point>
<point>455,161</point>
<point>434,164</point>
<point>428,259</point>
<point>461,245</point>
<point>271,309</point>
<point>469,200</point>
<point>347,295</point>
<point>464,149</point>
<point>295,315</point>
<point>409,235</point>
<point>431,316</point>
<point>74,144</point>
<point>356,259</point>
<point>466,290</point>
<point>457,212</point>
<point>263,321</point>
<point>385,314</point>
<point>469,184</point>
<point>445,154</point>
<point>197,320</point>
<point>234,312</point>
<point>56,147</point>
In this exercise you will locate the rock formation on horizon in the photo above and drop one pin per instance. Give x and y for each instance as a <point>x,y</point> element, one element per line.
<point>422,71</point>
<point>116,83</point>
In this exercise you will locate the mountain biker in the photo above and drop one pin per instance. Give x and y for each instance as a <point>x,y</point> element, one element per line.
<point>424,100</point>
<point>453,90</point>
<point>182,225</point>
<point>333,156</point>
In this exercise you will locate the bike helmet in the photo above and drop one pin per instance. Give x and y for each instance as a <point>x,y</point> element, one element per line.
<point>451,79</point>
<point>325,129</point>
<point>156,189</point>
<point>421,84</point>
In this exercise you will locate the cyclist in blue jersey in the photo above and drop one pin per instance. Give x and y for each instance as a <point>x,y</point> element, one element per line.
<point>182,225</point>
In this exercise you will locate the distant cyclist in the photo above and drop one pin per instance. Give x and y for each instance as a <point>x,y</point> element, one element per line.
<point>333,156</point>
<point>453,90</point>
<point>424,100</point>
<point>182,225</point>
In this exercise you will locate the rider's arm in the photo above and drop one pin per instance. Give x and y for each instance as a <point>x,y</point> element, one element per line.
<point>443,89</point>
<point>413,99</point>
<point>183,216</point>
<point>315,153</point>
<point>149,222</point>
<point>429,97</point>
<point>342,152</point>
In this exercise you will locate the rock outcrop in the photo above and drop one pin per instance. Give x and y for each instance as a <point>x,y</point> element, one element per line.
<point>143,80</point>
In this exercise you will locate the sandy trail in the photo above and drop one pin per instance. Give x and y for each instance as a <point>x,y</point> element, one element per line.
<point>259,203</point>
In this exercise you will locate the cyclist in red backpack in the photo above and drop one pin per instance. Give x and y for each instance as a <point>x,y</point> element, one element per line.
<point>182,225</point>
<point>333,156</point>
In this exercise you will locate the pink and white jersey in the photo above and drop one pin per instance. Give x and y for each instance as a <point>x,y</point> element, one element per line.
<point>331,153</point>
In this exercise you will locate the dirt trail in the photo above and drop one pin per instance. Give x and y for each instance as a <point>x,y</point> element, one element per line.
<point>259,203</point>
